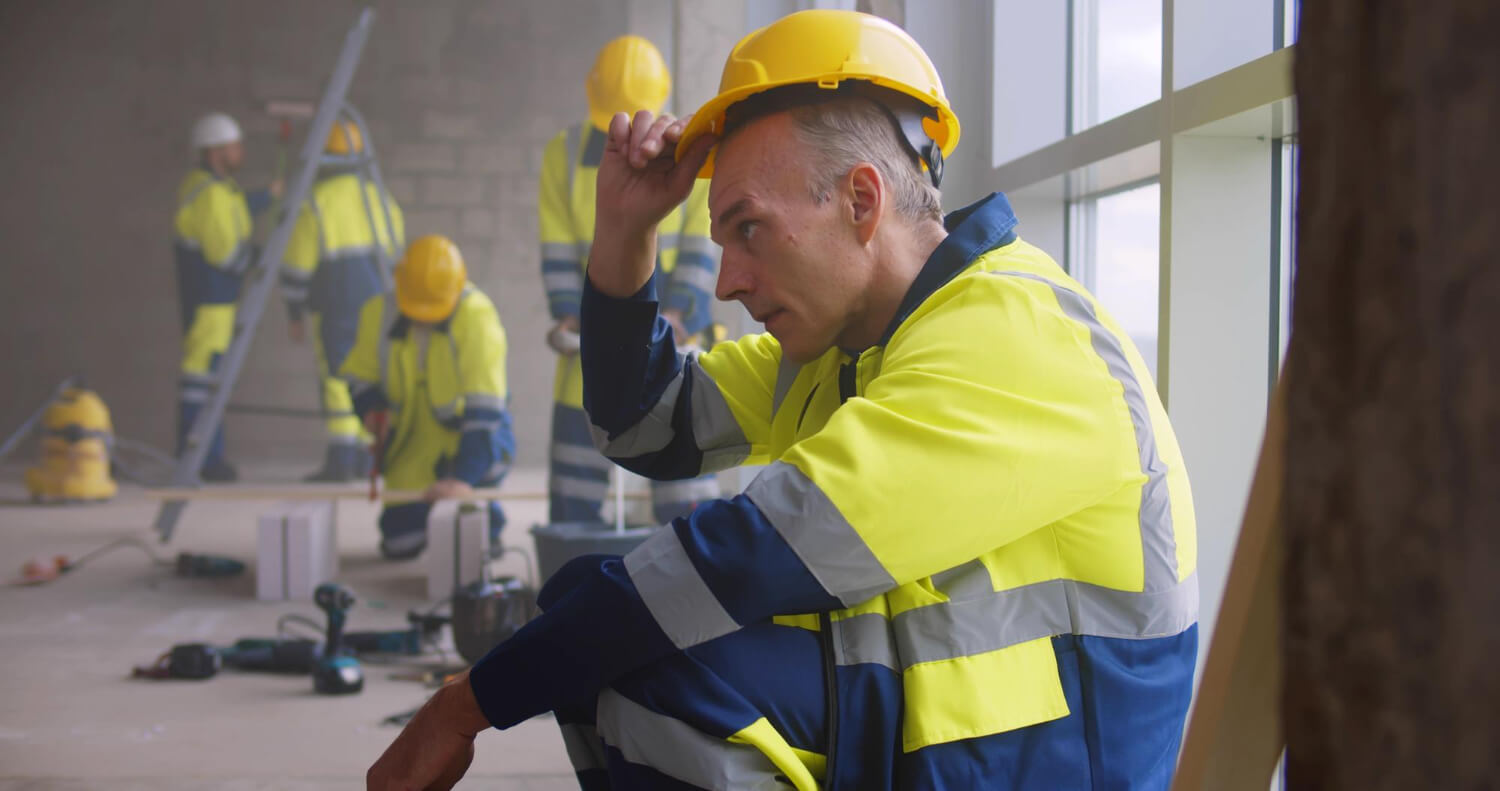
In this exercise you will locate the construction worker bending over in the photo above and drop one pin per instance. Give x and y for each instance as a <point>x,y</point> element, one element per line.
<point>211,244</point>
<point>628,75</point>
<point>342,241</point>
<point>970,561</point>
<point>432,357</point>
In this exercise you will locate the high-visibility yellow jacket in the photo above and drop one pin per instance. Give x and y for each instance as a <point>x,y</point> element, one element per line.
<point>444,386</point>
<point>211,239</point>
<point>333,258</point>
<point>992,484</point>
<point>687,259</point>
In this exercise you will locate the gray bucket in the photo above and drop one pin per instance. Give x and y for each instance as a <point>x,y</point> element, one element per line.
<point>560,542</point>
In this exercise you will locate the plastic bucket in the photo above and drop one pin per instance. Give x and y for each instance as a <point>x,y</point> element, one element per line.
<point>560,542</point>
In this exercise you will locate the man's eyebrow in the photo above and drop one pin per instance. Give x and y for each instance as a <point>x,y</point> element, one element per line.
<point>739,206</point>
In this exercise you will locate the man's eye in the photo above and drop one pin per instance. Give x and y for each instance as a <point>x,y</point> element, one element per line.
<point>747,229</point>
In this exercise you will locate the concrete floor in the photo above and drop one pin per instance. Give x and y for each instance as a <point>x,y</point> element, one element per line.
<point>72,718</point>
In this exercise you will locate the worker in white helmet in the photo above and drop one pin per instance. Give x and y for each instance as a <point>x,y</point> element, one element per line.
<point>211,242</point>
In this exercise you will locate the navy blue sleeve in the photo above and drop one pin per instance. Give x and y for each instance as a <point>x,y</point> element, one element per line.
<point>257,201</point>
<point>595,626</point>
<point>629,360</point>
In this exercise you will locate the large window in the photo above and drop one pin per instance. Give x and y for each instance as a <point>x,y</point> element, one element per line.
<point>1117,241</point>
<point>1117,58</point>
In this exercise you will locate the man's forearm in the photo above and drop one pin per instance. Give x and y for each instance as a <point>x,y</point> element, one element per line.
<point>621,262</point>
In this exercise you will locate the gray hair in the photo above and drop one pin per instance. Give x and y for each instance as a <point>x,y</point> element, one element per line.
<point>841,131</point>
<point>846,131</point>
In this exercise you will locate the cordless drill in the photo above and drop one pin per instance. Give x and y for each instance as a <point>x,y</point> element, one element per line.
<point>336,672</point>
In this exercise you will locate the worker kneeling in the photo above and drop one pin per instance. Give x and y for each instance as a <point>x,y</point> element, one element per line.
<point>432,357</point>
<point>969,561</point>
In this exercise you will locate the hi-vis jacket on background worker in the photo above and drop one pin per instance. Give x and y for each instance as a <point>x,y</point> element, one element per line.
<point>970,559</point>
<point>629,74</point>
<point>346,233</point>
<point>211,244</point>
<point>433,356</point>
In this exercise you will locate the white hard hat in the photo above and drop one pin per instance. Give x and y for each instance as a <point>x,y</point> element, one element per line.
<point>215,129</point>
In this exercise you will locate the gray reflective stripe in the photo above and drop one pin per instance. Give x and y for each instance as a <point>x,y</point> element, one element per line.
<point>819,534</point>
<point>715,431</point>
<point>682,752</point>
<point>192,395</point>
<point>570,145</point>
<point>585,751</point>
<point>678,598</point>
<point>693,490</point>
<point>562,281</point>
<point>965,581</point>
<point>650,434</point>
<point>693,243</point>
<point>445,412</point>
<point>786,373</point>
<point>667,240</point>
<point>496,471</point>
<point>312,204</point>
<point>353,252</point>
<point>357,386</point>
<point>484,401</point>
<point>238,260</point>
<point>1000,620</point>
<point>190,244</point>
<point>865,639</point>
<point>487,426</point>
<point>349,439</point>
<point>198,190</point>
<point>579,488</point>
<point>701,278</point>
<point>580,456</point>
<point>1158,543</point>
<point>559,251</point>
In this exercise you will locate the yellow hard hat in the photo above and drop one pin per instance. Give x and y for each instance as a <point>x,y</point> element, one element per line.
<point>825,48</point>
<point>344,139</point>
<point>628,75</point>
<point>430,278</point>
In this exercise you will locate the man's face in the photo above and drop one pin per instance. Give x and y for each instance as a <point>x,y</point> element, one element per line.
<point>794,263</point>
<point>229,156</point>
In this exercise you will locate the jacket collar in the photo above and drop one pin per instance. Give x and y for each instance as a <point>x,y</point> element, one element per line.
<point>972,231</point>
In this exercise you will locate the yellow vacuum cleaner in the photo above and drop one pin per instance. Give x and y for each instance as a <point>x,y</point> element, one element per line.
<point>76,442</point>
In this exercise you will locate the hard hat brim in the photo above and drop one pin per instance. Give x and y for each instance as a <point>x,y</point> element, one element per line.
<point>426,312</point>
<point>710,117</point>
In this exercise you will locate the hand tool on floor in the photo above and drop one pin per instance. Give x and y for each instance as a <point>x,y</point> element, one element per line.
<point>337,672</point>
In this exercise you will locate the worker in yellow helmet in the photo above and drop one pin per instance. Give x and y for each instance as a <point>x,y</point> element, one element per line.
<point>211,243</point>
<point>347,232</point>
<point>432,356</point>
<point>628,75</point>
<point>970,559</point>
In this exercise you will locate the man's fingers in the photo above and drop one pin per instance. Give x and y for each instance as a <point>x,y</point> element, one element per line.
<point>619,131</point>
<point>655,141</point>
<point>692,161</point>
<point>640,126</point>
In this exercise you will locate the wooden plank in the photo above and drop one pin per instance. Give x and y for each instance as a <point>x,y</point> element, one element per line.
<point>1235,738</point>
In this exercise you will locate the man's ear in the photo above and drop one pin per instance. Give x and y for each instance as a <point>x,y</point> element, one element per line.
<point>866,200</point>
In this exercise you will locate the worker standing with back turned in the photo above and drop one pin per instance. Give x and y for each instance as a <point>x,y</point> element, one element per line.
<point>628,75</point>
<point>432,356</point>
<point>342,240</point>
<point>970,560</point>
<point>211,244</point>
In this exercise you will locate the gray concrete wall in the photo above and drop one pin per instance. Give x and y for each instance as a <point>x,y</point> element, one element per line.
<point>97,99</point>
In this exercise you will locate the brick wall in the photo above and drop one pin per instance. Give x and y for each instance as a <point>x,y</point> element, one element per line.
<point>460,95</point>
